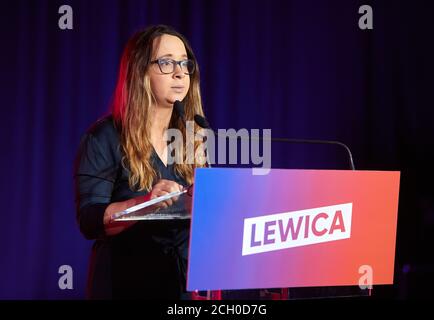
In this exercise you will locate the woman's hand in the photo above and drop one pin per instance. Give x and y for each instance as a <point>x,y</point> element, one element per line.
<point>163,187</point>
<point>114,227</point>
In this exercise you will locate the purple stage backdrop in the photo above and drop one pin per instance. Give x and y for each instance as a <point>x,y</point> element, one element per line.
<point>303,68</point>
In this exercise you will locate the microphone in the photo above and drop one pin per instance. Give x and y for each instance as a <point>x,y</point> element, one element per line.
<point>203,123</point>
<point>179,108</point>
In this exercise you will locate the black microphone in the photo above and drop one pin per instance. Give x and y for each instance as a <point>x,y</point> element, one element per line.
<point>203,123</point>
<point>179,108</point>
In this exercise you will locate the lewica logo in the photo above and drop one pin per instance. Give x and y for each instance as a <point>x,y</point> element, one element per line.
<point>296,228</point>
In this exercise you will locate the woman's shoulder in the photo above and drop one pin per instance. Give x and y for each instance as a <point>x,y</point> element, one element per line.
<point>102,134</point>
<point>99,150</point>
<point>101,140</point>
<point>103,127</point>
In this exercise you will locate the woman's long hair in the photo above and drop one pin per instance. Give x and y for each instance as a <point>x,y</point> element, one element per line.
<point>131,108</point>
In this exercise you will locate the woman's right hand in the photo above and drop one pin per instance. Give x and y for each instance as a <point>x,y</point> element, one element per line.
<point>112,227</point>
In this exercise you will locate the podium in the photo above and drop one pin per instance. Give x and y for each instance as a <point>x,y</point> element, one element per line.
<point>299,233</point>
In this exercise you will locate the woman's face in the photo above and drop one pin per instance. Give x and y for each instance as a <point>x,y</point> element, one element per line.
<point>167,88</point>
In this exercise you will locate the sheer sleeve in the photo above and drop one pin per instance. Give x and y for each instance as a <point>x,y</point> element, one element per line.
<point>94,177</point>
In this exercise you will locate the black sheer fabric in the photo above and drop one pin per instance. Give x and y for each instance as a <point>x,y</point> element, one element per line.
<point>148,260</point>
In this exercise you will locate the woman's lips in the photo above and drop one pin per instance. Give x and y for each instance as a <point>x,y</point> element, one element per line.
<point>178,88</point>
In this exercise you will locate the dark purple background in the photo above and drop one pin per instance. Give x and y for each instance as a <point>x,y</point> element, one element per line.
<point>301,67</point>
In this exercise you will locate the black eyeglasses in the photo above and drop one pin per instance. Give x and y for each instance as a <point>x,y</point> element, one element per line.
<point>168,65</point>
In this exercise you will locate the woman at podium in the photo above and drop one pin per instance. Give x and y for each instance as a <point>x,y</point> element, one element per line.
<point>123,161</point>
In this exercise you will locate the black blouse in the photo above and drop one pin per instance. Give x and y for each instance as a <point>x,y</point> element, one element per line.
<point>149,259</point>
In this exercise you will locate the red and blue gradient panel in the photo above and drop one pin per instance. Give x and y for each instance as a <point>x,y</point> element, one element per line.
<point>328,248</point>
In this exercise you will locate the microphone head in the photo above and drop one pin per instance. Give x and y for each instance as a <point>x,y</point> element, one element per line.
<point>179,107</point>
<point>201,121</point>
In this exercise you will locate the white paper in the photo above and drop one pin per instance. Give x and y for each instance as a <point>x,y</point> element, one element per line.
<point>120,215</point>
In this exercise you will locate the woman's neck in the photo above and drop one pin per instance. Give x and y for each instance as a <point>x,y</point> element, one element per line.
<point>160,119</point>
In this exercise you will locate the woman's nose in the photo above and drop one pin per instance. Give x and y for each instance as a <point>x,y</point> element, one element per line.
<point>178,72</point>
